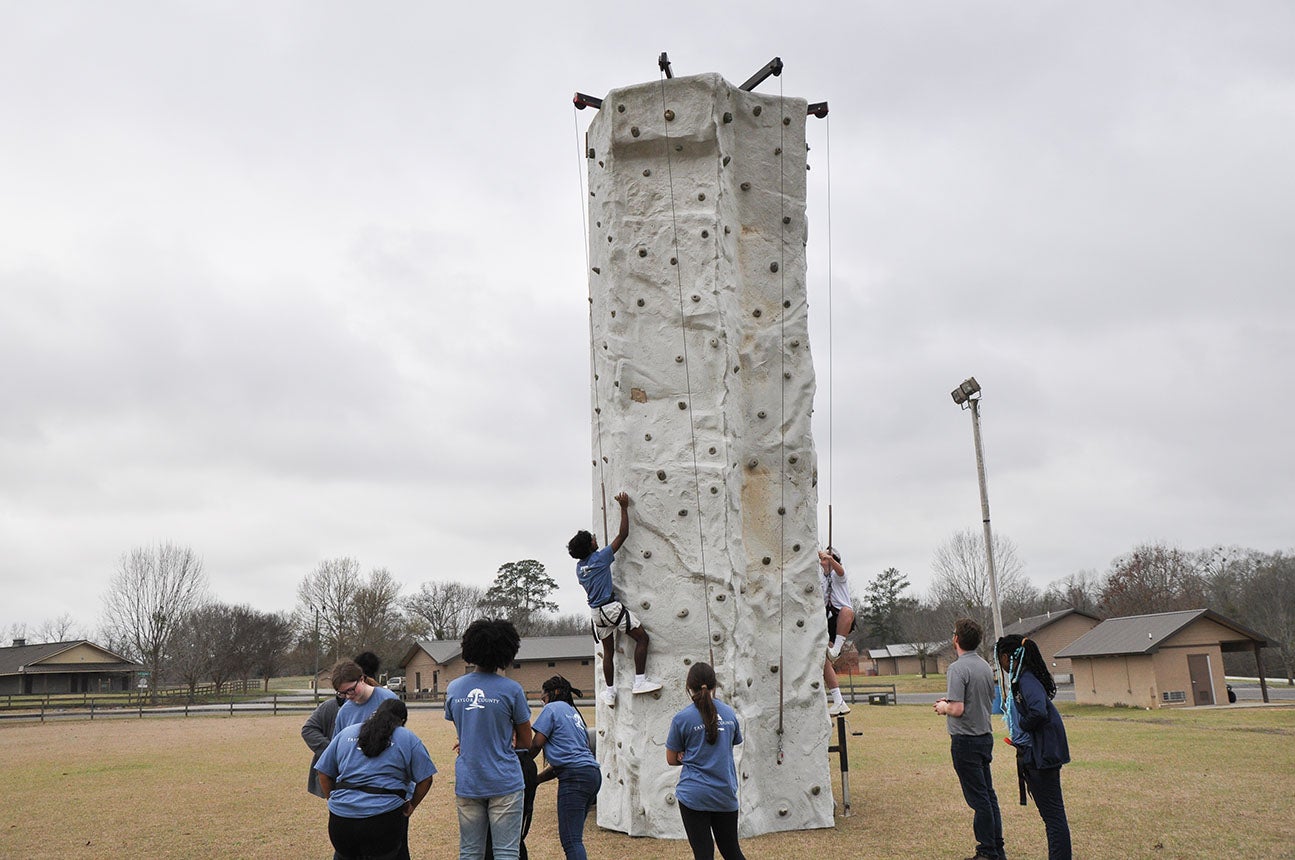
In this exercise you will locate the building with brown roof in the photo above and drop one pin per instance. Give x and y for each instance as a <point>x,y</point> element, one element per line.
<point>430,664</point>
<point>1053,631</point>
<point>78,666</point>
<point>1167,659</point>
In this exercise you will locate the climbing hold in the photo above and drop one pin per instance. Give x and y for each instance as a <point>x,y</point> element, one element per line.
<point>726,160</point>
<point>786,303</point>
<point>682,613</point>
<point>745,186</point>
<point>800,622</point>
<point>757,110</point>
<point>726,230</point>
<point>793,459</point>
<point>714,491</point>
<point>752,463</point>
<point>728,117</point>
<point>669,116</point>
<point>815,790</point>
<point>660,475</point>
<point>777,150</point>
<point>597,271</point>
<point>766,560</point>
<point>640,303</point>
<point>696,298</point>
<point>720,598</point>
<point>786,120</point>
<point>647,437</point>
<point>591,152</point>
<point>647,171</point>
<point>683,405</point>
<point>674,261</point>
<point>761,414</point>
<point>795,344</point>
<point>669,798</point>
<point>609,238</point>
<point>711,450</point>
<point>786,219</point>
<point>757,313</point>
<point>705,234</point>
<point>634,131</point>
<point>613,314</point>
<point>647,553</point>
<point>701,196</point>
<point>678,147</point>
<point>795,547</point>
<point>773,267</point>
<point>714,342</point>
<point>646,604</point>
<point>620,108</point>
<point>749,682</point>
<point>642,252</point>
<point>782,512</point>
<point>782,811</point>
<point>786,374</point>
<point>683,512</point>
<point>716,637</point>
<point>678,359</point>
<point>773,667</point>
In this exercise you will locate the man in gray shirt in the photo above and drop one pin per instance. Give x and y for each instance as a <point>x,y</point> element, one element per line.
<point>966,709</point>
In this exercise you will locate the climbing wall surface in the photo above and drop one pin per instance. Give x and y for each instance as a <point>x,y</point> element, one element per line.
<point>703,388</point>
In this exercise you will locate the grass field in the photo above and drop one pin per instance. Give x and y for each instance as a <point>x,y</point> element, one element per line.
<point>1163,784</point>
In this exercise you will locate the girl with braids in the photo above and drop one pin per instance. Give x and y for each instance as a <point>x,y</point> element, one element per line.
<point>366,774</point>
<point>1038,735</point>
<point>701,740</point>
<point>561,732</point>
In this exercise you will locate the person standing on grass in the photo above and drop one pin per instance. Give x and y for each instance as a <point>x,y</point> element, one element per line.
<point>365,773</point>
<point>491,718</point>
<point>561,732</point>
<point>1035,729</point>
<point>701,741</point>
<point>966,708</point>
<point>840,624</point>
<point>317,731</point>
<point>361,694</point>
<point>594,572</point>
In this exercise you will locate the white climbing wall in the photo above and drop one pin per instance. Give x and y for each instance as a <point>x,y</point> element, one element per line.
<point>702,394</point>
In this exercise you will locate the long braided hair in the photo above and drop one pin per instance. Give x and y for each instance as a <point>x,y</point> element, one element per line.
<point>559,689</point>
<point>701,686</point>
<point>1023,655</point>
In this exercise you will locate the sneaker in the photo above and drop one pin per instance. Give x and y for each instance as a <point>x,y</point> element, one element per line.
<point>647,685</point>
<point>839,709</point>
<point>834,651</point>
<point>608,697</point>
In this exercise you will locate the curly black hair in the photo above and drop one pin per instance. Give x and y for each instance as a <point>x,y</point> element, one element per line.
<point>370,663</point>
<point>581,545</point>
<point>376,732</point>
<point>1023,654</point>
<point>490,644</point>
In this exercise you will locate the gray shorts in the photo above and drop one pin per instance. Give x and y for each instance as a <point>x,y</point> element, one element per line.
<point>609,616</point>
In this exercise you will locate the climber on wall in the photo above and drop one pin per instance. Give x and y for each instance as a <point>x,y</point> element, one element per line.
<point>840,623</point>
<point>594,571</point>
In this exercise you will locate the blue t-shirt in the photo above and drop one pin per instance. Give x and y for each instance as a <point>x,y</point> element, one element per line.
<point>485,707</point>
<point>404,762</point>
<point>708,782</point>
<point>566,738</point>
<point>352,714</point>
<point>595,574</point>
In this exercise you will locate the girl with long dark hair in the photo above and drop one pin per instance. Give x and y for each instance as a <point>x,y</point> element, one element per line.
<point>366,773</point>
<point>561,732</point>
<point>1037,733</point>
<point>701,740</point>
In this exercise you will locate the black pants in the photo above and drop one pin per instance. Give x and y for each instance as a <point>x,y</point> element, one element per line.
<point>530,776</point>
<point>1045,788</point>
<point>708,829</point>
<point>378,837</point>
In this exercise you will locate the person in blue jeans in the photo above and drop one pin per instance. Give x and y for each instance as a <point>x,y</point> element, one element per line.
<point>366,773</point>
<point>966,707</point>
<point>701,741</point>
<point>1036,730</point>
<point>490,714</point>
<point>561,732</point>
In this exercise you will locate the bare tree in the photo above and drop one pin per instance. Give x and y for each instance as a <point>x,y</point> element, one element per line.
<point>1153,578</point>
<point>269,643</point>
<point>380,624</point>
<point>330,590</point>
<point>1079,590</point>
<point>574,624</point>
<point>961,577</point>
<point>151,593</point>
<point>1270,606</point>
<point>443,610</point>
<point>60,629</point>
<point>17,632</point>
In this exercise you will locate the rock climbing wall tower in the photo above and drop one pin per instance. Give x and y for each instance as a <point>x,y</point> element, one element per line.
<point>703,389</point>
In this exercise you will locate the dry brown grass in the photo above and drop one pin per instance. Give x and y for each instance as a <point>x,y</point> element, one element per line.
<point>1180,784</point>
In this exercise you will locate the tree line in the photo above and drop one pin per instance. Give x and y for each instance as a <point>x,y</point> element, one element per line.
<point>1254,588</point>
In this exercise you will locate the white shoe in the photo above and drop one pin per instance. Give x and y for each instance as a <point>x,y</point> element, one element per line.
<point>647,685</point>
<point>839,709</point>
<point>833,651</point>
<point>609,697</point>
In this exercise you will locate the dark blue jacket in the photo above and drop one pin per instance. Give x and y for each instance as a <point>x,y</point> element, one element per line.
<point>1037,716</point>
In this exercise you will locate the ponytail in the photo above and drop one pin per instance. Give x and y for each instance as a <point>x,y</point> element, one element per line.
<point>375,734</point>
<point>701,686</point>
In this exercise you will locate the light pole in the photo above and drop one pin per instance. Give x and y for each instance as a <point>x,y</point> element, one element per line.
<point>967,395</point>
<point>316,681</point>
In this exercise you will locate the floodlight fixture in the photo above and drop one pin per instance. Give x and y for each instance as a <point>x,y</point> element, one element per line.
<point>966,391</point>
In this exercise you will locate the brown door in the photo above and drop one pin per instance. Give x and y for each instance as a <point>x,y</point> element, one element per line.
<point>1198,666</point>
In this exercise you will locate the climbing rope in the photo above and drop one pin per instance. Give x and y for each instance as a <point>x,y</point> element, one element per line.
<point>831,411</point>
<point>782,442</point>
<point>683,333</point>
<point>581,157</point>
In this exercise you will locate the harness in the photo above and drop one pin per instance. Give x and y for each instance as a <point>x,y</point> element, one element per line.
<point>369,789</point>
<point>623,616</point>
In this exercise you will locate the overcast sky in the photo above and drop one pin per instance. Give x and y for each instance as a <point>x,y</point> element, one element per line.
<point>291,281</point>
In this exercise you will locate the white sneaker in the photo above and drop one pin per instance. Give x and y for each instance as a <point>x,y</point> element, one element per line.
<point>839,709</point>
<point>834,651</point>
<point>609,697</point>
<point>647,685</point>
